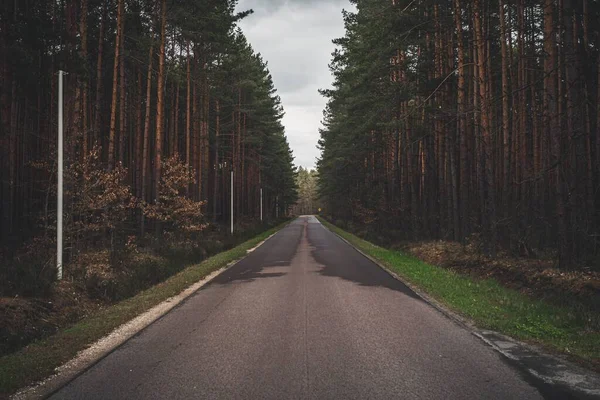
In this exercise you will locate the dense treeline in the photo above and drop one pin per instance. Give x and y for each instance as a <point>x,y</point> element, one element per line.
<point>162,100</point>
<point>450,118</point>
<point>308,202</point>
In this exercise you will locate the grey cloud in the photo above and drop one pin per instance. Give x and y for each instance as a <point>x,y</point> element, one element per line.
<point>291,81</point>
<point>304,96</point>
<point>294,37</point>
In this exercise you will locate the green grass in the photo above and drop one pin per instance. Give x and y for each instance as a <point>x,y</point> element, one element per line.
<point>39,359</point>
<point>492,306</point>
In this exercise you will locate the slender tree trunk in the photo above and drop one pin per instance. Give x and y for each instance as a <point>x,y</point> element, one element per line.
<point>175,134</point>
<point>197,138</point>
<point>84,83</point>
<point>238,161</point>
<point>98,101</point>
<point>146,139</point>
<point>205,128</point>
<point>489,181</point>
<point>138,143</point>
<point>113,107</point>
<point>12,159</point>
<point>160,104</point>
<point>461,123</point>
<point>598,129</point>
<point>122,96</point>
<point>505,109</point>
<point>550,106</point>
<point>217,167</point>
<point>188,115</point>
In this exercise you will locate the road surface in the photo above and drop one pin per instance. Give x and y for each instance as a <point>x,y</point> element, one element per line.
<point>304,316</point>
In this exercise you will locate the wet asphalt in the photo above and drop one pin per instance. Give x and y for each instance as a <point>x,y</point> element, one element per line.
<point>304,316</point>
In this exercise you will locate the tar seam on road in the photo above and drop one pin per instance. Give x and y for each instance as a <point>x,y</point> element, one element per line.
<point>305,265</point>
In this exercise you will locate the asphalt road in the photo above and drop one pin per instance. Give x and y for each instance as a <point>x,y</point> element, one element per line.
<point>304,316</point>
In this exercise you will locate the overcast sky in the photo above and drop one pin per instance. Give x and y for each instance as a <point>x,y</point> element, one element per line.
<point>294,37</point>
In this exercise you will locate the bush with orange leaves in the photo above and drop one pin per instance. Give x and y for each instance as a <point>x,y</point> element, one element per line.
<point>176,213</point>
<point>101,200</point>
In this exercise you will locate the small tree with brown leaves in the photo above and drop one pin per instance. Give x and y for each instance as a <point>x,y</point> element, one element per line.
<point>178,214</point>
<point>102,202</point>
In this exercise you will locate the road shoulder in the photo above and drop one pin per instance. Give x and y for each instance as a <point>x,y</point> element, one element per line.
<point>554,376</point>
<point>153,303</point>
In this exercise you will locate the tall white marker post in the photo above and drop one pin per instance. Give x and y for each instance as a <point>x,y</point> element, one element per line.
<point>261,204</point>
<point>232,202</point>
<point>59,196</point>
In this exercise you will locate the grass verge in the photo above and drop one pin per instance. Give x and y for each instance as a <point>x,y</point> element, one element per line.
<point>492,306</point>
<point>39,360</point>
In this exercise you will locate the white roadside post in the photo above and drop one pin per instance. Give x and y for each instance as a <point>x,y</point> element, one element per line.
<point>59,196</point>
<point>261,204</point>
<point>232,202</point>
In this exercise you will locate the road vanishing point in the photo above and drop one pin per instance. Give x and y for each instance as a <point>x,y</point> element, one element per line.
<point>304,316</point>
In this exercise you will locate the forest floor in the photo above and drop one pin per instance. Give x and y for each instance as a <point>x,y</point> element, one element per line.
<point>529,299</point>
<point>536,277</point>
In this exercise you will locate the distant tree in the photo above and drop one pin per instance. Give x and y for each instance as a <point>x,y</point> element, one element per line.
<point>306,180</point>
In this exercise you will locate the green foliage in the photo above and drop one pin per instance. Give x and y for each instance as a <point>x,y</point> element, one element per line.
<point>363,103</point>
<point>307,192</point>
<point>243,72</point>
<point>443,119</point>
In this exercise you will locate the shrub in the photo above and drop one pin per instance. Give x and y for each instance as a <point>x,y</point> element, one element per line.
<point>177,213</point>
<point>31,271</point>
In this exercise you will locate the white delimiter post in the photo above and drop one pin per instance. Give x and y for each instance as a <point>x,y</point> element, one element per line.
<point>232,202</point>
<point>59,197</point>
<point>261,204</point>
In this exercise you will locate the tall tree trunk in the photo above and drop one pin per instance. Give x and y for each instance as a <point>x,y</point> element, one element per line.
<point>505,109</point>
<point>205,129</point>
<point>84,82</point>
<point>489,181</point>
<point>217,167</point>
<point>188,115</point>
<point>196,138</point>
<point>138,142</point>
<point>122,96</point>
<point>113,107</point>
<point>146,139</point>
<point>174,147</point>
<point>160,104</point>
<point>550,107</point>
<point>461,123</point>
<point>98,101</point>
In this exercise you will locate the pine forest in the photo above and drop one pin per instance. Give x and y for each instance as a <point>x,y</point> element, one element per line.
<point>461,120</point>
<point>163,100</point>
